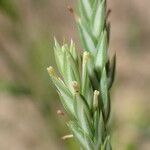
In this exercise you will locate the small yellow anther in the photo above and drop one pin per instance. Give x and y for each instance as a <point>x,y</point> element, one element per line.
<point>75,86</point>
<point>96,93</point>
<point>61,113</point>
<point>95,99</point>
<point>86,56</point>
<point>67,137</point>
<point>51,71</point>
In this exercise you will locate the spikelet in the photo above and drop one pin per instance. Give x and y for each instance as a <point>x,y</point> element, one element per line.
<point>84,89</point>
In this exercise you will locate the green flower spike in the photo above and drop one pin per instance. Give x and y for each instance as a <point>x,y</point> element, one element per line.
<point>87,78</point>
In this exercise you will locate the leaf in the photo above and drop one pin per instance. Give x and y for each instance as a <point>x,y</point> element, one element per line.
<point>67,103</point>
<point>101,57</point>
<point>59,56</point>
<point>74,67</point>
<point>89,95</point>
<point>92,75</point>
<point>108,31</point>
<point>101,132</point>
<point>86,85</point>
<point>106,145</point>
<point>60,85</point>
<point>98,17</point>
<point>65,95</point>
<point>83,114</point>
<point>85,5</point>
<point>105,95</point>
<point>82,12</point>
<point>86,38</point>
<point>68,73</point>
<point>73,51</point>
<point>84,140</point>
<point>111,72</point>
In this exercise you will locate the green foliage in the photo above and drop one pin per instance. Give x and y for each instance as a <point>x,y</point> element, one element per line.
<point>13,88</point>
<point>87,78</point>
<point>8,7</point>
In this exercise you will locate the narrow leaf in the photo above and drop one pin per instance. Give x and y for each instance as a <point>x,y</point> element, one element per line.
<point>81,137</point>
<point>74,66</point>
<point>83,114</point>
<point>101,131</point>
<point>98,18</point>
<point>86,85</point>
<point>86,6</point>
<point>111,72</point>
<point>92,75</point>
<point>101,57</point>
<point>86,38</point>
<point>106,145</point>
<point>105,95</point>
<point>58,56</point>
<point>63,91</point>
<point>73,51</point>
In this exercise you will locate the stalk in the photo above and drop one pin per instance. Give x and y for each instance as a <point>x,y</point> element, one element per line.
<point>87,78</point>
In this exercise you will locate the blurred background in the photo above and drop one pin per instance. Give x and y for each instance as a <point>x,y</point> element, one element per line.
<point>28,100</point>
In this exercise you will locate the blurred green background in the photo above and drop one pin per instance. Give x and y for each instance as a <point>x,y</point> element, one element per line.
<point>28,101</point>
